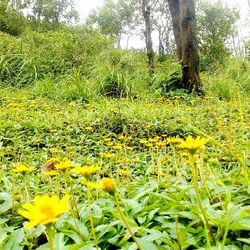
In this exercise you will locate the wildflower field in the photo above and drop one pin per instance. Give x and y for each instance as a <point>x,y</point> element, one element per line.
<point>124,173</point>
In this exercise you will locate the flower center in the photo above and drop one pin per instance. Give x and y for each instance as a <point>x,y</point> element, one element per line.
<point>48,210</point>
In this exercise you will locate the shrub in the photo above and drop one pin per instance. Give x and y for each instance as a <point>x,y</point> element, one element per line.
<point>35,55</point>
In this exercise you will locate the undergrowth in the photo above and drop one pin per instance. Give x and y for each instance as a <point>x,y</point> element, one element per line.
<point>132,142</point>
<point>78,117</point>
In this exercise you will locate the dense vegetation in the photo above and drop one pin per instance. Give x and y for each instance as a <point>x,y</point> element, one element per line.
<point>147,165</point>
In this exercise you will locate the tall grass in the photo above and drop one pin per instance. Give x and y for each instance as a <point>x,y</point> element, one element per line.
<point>82,64</point>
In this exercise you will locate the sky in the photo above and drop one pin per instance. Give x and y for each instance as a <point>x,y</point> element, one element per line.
<point>84,7</point>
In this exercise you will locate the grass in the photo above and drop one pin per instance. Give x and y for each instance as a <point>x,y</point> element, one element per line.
<point>130,141</point>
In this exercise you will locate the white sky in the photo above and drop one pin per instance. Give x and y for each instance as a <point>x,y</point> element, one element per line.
<point>85,6</point>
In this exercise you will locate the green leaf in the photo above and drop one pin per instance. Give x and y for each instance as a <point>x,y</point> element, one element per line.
<point>59,241</point>
<point>96,211</point>
<point>146,245</point>
<point>5,201</point>
<point>79,227</point>
<point>243,224</point>
<point>244,240</point>
<point>15,239</point>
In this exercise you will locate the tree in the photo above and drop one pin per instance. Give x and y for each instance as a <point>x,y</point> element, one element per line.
<point>161,22</point>
<point>148,35</point>
<point>215,23</point>
<point>54,11</point>
<point>114,18</point>
<point>11,21</point>
<point>184,25</point>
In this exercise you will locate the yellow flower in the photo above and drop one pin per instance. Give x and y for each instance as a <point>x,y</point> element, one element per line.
<point>54,150</point>
<point>124,137</point>
<point>192,145</point>
<point>38,140</point>
<point>160,144</point>
<point>51,173</point>
<point>89,128</point>
<point>45,210</point>
<point>69,148</point>
<point>64,164</point>
<point>129,148</point>
<point>125,172</point>
<point>107,155</point>
<point>143,141</point>
<point>85,171</point>
<point>93,185</point>
<point>108,185</point>
<point>14,105</point>
<point>174,140</point>
<point>107,139</point>
<point>53,159</point>
<point>155,139</point>
<point>90,184</point>
<point>117,146</point>
<point>72,104</point>
<point>34,102</point>
<point>22,169</point>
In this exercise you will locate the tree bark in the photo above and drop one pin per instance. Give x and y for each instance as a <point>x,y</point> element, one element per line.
<point>174,7</point>
<point>161,46</point>
<point>190,51</point>
<point>148,35</point>
<point>184,24</point>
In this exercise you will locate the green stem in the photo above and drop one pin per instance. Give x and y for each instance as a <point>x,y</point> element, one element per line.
<point>50,236</point>
<point>91,219</point>
<point>225,235</point>
<point>196,187</point>
<point>177,232</point>
<point>125,220</point>
<point>230,152</point>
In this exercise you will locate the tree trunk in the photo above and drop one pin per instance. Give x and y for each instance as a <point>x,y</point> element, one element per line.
<point>161,46</point>
<point>184,24</point>
<point>190,51</point>
<point>174,7</point>
<point>148,35</point>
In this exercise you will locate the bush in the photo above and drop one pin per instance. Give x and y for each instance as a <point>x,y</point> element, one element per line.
<point>168,77</point>
<point>11,21</point>
<point>35,55</point>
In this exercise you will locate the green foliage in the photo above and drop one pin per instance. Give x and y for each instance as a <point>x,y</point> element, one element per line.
<point>170,79</point>
<point>36,55</point>
<point>114,18</point>
<point>228,81</point>
<point>155,191</point>
<point>54,11</point>
<point>215,23</point>
<point>11,21</point>
<point>120,73</point>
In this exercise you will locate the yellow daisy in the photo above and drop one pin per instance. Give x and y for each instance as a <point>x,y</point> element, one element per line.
<point>45,210</point>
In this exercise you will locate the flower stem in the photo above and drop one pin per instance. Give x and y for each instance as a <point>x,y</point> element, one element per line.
<point>91,219</point>
<point>125,220</point>
<point>50,236</point>
<point>177,232</point>
<point>196,187</point>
